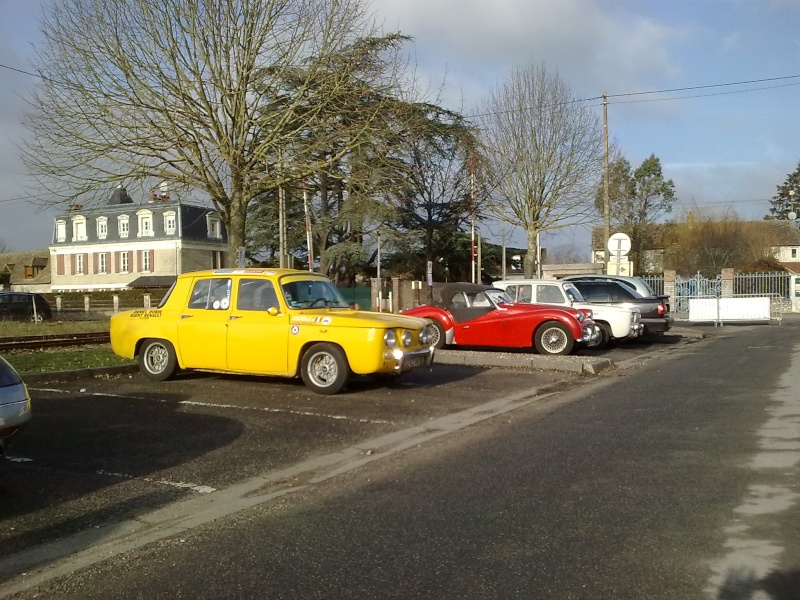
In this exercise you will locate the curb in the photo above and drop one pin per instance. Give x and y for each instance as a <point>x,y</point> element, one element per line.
<point>570,364</point>
<point>78,373</point>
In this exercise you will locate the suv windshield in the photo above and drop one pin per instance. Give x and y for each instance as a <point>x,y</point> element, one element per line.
<point>312,293</point>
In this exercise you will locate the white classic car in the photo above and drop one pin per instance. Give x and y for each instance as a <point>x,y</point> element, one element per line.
<point>616,323</point>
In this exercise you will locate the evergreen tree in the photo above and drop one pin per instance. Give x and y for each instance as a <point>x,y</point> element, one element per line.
<point>787,199</point>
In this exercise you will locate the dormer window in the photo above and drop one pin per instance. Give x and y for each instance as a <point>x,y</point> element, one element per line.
<point>123,225</point>
<point>214,228</point>
<point>102,228</point>
<point>170,223</point>
<point>145,223</point>
<point>61,231</point>
<point>78,229</point>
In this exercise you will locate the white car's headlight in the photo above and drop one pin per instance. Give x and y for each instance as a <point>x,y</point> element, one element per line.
<point>390,338</point>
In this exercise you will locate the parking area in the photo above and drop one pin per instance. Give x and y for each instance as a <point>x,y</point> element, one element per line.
<point>112,449</point>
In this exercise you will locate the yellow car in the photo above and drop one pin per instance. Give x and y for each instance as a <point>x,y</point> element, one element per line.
<point>268,322</point>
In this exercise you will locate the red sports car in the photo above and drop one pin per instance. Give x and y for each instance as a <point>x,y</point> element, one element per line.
<point>470,314</point>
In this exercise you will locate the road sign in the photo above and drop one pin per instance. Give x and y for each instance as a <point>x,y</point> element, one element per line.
<point>619,244</point>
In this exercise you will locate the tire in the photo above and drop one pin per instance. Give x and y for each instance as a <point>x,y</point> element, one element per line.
<point>554,338</point>
<point>157,360</point>
<point>439,335</point>
<point>35,318</point>
<point>324,369</point>
<point>605,336</point>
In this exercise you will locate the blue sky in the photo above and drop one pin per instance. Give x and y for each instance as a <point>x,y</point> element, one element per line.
<point>725,147</point>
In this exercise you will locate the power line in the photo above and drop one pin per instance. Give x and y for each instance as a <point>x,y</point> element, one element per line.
<point>18,70</point>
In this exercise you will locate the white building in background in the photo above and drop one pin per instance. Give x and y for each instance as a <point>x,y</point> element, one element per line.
<point>124,244</point>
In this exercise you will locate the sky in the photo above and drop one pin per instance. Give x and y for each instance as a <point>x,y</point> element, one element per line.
<point>727,138</point>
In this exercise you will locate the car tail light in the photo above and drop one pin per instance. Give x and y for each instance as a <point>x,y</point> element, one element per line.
<point>662,310</point>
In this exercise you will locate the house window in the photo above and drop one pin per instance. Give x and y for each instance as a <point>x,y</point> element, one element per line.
<point>216,259</point>
<point>146,261</point>
<point>145,223</point>
<point>101,263</point>
<point>79,266</point>
<point>29,274</point>
<point>169,223</point>
<point>794,252</point>
<point>214,228</point>
<point>79,229</point>
<point>102,228</point>
<point>123,223</point>
<point>61,231</point>
<point>123,262</point>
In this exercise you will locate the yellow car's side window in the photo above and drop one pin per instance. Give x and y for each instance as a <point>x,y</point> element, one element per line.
<point>256,294</point>
<point>211,294</point>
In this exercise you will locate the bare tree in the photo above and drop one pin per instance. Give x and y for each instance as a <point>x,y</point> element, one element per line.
<point>706,242</point>
<point>214,96</point>
<point>545,150</point>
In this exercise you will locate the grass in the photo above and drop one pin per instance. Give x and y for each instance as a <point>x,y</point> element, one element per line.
<point>12,329</point>
<point>59,359</point>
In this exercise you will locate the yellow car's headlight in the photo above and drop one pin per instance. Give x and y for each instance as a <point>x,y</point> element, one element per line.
<point>408,338</point>
<point>390,338</point>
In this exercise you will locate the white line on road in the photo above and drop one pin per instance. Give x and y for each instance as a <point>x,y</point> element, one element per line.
<point>201,489</point>
<point>302,413</point>
<point>288,411</point>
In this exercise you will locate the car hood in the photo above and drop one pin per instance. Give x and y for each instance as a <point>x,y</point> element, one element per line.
<point>355,318</point>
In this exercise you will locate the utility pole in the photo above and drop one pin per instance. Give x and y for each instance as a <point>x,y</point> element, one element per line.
<point>309,236</point>
<point>472,205</point>
<point>606,200</point>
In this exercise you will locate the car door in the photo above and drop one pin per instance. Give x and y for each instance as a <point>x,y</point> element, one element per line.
<point>203,325</point>
<point>258,329</point>
<point>485,325</point>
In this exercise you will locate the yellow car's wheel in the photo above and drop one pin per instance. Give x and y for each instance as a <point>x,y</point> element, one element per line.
<point>157,360</point>
<point>324,368</point>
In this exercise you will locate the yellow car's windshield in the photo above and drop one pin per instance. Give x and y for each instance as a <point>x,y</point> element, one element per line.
<point>311,293</point>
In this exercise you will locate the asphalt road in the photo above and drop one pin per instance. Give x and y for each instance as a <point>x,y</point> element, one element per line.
<point>673,479</point>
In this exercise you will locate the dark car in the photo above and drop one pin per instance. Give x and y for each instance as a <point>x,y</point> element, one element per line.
<point>24,306</point>
<point>655,311</point>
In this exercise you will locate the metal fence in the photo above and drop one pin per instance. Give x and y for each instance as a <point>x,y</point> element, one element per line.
<point>656,282</point>
<point>762,284</point>
<point>744,284</point>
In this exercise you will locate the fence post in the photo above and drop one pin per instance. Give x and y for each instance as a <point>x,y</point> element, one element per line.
<point>86,302</point>
<point>669,288</point>
<point>727,283</point>
<point>59,301</point>
<point>397,295</point>
<point>147,300</point>
<point>116,302</point>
